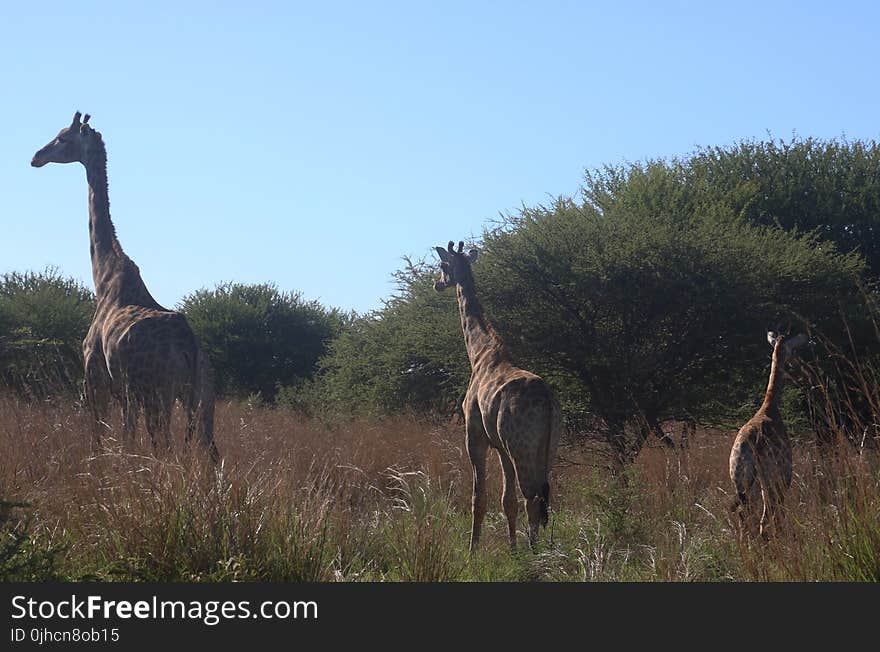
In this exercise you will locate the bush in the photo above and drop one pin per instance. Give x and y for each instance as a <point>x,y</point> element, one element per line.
<point>22,557</point>
<point>43,320</point>
<point>259,338</point>
<point>407,356</point>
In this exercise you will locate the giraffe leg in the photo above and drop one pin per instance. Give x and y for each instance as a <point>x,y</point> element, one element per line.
<point>201,418</point>
<point>771,515</point>
<point>190,421</point>
<point>509,499</point>
<point>158,417</point>
<point>523,476</point>
<point>96,385</point>
<point>97,395</point>
<point>129,417</point>
<point>200,404</point>
<point>745,514</point>
<point>533,508</point>
<point>477,446</point>
<point>739,509</point>
<point>530,487</point>
<point>748,504</point>
<point>745,474</point>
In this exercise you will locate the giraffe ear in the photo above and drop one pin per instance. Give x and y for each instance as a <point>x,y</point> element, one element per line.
<point>793,343</point>
<point>472,255</point>
<point>444,255</point>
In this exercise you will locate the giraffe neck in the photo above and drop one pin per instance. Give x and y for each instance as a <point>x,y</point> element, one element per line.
<point>104,248</point>
<point>481,341</point>
<point>774,385</point>
<point>117,279</point>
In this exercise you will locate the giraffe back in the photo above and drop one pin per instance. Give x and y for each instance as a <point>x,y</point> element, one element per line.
<point>760,452</point>
<point>522,416</point>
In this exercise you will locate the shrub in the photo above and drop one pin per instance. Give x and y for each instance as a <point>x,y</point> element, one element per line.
<point>43,320</point>
<point>648,319</point>
<point>259,338</point>
<point>406,356</point>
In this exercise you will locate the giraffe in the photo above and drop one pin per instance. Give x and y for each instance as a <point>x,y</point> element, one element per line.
<point>760,460</point>
<point>135,351</point>
<point>505,408</point>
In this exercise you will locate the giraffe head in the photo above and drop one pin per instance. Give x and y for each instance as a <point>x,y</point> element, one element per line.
<point>785,346</point>
<point>455,266</point>
<point>73,143</point>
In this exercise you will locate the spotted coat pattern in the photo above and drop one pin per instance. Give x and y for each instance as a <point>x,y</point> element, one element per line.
<point>506,408</point>
<point>136,352</point>
<point>760,459</point>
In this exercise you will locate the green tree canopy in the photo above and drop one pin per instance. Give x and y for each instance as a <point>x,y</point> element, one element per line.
<point>647,319</point>
<point>43,320</point>
<point>406,356</point>
<point>828,187</point>
<point>259,338</point>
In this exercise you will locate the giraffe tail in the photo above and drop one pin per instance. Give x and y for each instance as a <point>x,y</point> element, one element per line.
<point>545,487</point>
<point>203,389</point>
<point>545,503</point>
<point>737,502</point>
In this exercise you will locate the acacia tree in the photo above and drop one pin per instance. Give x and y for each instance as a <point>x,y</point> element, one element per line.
<point>648,319</point>
<point>830,189</point>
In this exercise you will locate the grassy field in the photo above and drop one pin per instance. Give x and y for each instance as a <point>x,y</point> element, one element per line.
<point>298,500</point>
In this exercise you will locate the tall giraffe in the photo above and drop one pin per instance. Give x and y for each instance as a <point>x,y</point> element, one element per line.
<point>506,408</point>
<point>760,460</point>
<point>135,351</point>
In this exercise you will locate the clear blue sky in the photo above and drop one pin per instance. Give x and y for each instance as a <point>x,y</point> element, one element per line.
<point>315,144</point>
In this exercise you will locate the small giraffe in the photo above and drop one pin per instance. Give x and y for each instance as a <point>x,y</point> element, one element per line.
<point>512,410</point>
<point>760,460</point>
<point>135,351</point>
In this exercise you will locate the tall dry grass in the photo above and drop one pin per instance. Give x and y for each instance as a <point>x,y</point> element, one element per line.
<point>292,499</point>
<point>389,499</point>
